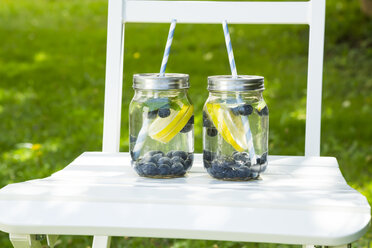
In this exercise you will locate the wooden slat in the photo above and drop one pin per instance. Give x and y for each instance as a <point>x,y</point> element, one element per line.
<point>216,12</point>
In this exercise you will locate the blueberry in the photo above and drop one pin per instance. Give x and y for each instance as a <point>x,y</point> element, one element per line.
<point>138,168</point>
<point>152,114</point>
<point>217,163</point>
<point>191,120</point>
<point>228,163</point>
<point>206,121</point>
<point>177,169</point>
<point>219,171</point>
<point>263,158</point>
<point>177,159</point>
<point>181,154</point>
<point>187,164</point>
<point>234,152</point>
<point>258,160</point>
<point>243,172</point>
<point>263,167</point>
<point>164,160</point>
<point>235,110</point>
<point>245,109</point>
<point>215,173</point>
<point>164,169</point>
<point>211,131</point>
<point>247,163</point>
<point>132,139</point>
<point>264,111</point>
<point>157,156</point>
<point>187,128</point>
<point>190,156</point>
<point>149,169</point>
<point>241,157</point>
<point>209,156</point>
<point>170,154</point>
<point>206,163</point>
<point>233,174</point>
<point>164,112</point>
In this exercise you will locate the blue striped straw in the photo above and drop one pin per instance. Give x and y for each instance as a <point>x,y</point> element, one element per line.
<point>229,49</point>
<point>245,120</point>
<point>248,135</point>
<point>167,48</point>
<point>142,135</point>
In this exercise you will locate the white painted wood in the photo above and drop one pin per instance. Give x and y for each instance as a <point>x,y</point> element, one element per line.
<point>100,194</point>
<point>51,240</point>
<point>216,12</point>
<point>314,78</point>
<point>101,242</point>
<point>114,77</point>
<point>24,241</point>
<point>341,246</point>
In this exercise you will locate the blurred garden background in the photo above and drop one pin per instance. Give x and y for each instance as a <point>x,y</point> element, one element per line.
<point>52,70</point>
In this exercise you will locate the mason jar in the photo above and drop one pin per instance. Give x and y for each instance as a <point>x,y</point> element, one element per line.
<point>235,128</point>
<point>161,125</point>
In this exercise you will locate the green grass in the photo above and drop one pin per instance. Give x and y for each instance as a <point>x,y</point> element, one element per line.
<point>52,69</point>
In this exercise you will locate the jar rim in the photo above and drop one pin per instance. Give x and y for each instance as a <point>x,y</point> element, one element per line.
<point>153,81</point>
<point>240,83</point>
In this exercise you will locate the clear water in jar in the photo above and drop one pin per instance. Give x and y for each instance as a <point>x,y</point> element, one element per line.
<point>227,143</point>
<point>161,133</point>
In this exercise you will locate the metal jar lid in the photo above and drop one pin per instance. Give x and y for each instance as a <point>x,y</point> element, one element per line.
<point>153,81</point>
<point>241,83</point>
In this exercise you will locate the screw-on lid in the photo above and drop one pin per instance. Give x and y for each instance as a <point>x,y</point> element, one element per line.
<point>153,81</point>
<point>241,83</point>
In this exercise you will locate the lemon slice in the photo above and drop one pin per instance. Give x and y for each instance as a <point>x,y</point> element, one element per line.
<point>164,129</point>
<point>229,126</point>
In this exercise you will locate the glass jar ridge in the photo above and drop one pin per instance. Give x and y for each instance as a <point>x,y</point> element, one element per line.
<point>239,83</point>
<point>154,81</point>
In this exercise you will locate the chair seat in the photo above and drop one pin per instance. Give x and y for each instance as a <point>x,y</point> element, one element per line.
<point>298,200</point>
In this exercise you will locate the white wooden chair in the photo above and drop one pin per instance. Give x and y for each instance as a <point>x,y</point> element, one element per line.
<point>301,199</point>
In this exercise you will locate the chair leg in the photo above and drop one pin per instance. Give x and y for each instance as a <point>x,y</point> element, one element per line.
<point>24,241</point>
<point>101,242</point>
<point>51,239</point>
<point>340,246</point>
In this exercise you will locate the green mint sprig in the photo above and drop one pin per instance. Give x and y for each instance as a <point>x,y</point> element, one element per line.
<point>158,103</point>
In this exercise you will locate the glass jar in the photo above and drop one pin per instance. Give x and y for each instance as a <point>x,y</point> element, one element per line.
<point>161,125</point>
<point>235,128</point>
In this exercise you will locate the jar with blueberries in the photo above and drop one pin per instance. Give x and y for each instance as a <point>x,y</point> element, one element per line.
<point>161,125</point>
<point>235,128</point>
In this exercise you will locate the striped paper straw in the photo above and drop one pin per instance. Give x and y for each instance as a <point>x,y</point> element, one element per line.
<point>247,129</point>
<point>230,52</point>
<point>141,137</point>
<point>167,48</point>
<point>248,135</point>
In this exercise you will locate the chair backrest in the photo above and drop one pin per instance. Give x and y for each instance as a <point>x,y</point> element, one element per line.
<point>122,11</point>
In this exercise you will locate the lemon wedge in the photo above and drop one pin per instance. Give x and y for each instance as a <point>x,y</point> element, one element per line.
<point>228,125</point>
<point>164,129</point>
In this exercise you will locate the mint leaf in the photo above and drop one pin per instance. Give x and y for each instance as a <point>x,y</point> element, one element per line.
<point>156,103</point>
<point>175,106</point>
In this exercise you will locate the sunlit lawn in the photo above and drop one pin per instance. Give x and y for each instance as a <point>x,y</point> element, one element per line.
<point>52,68</point>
